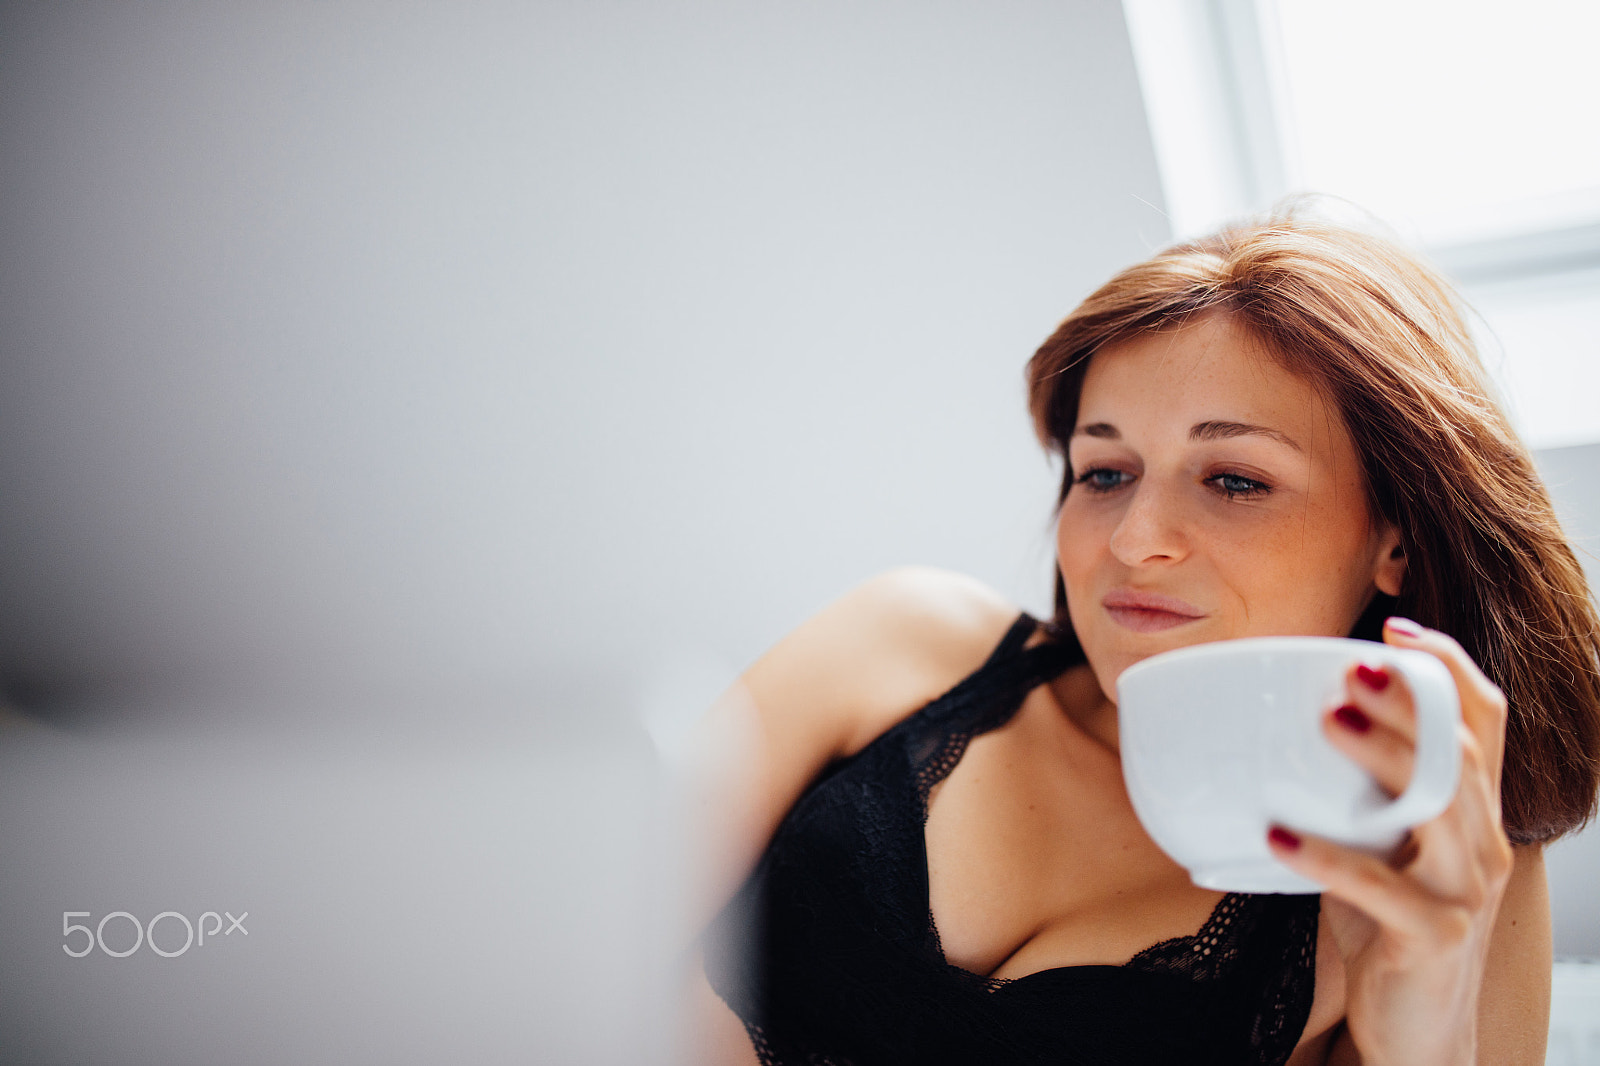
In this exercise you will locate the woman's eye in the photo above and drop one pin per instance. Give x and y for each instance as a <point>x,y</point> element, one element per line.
<point>1101,479</point>
<point>1237,485</point>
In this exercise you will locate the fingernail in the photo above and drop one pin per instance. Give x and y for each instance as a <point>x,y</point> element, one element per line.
<point>1283,838</point>
<point>1352,718</point>
<point>1377,680</point>
<point>1404,626</point>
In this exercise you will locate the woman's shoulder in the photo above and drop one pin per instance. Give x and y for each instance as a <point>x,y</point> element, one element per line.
<point>885,648</point>
<point>828,689</point>
<point>933,619</point>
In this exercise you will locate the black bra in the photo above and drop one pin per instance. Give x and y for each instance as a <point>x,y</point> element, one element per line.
<point>830,957</point>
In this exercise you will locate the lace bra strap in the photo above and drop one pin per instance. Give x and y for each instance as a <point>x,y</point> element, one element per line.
<point>992,693</point>
<point>1012,642</point>
<point>986,699</point>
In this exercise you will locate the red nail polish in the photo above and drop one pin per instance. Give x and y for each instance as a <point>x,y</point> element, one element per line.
<point>1377,680</point>
<point>1283,838</point>
<point>1404,626</point>
<point>1352,718</point>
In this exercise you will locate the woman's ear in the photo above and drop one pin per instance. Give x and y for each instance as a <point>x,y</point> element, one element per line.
<point>1390,571</point>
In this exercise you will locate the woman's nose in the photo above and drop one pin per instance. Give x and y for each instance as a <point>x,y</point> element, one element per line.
<point>1150,530</point>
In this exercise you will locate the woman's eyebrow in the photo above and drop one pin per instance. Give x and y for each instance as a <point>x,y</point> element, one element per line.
<point>1221,430</point>
<point>1214,430</point>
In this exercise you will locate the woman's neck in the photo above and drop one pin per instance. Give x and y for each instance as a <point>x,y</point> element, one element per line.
<point>1077,691</point>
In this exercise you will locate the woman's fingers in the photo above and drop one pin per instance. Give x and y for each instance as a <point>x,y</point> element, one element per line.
<point>1388,896</point>
<point>1416,904</point>
<point>1383,694</point>
<point>1376,726</point>
<point>1463,853</point>
<point>1483,705</point>
<point>1384,752</point>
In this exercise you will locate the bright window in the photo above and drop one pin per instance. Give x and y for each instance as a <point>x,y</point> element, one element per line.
<point>1454,120</point>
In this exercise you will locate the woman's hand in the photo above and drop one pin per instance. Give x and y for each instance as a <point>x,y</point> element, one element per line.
<point>1414,932</point>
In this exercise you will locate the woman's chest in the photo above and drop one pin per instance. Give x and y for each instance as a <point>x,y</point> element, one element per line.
<point>1036,859</point>
<point>1030,863</point>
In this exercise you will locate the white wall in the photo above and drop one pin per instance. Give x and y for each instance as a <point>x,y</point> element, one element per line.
<point>381,348</point>
<point>501,368</point>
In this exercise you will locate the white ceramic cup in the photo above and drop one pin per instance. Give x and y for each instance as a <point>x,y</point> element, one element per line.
<point>1222,741</point>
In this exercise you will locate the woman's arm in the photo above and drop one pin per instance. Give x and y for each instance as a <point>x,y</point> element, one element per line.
<point>1514,1006</point>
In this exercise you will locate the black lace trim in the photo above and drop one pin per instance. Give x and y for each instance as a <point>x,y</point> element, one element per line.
<point>1251,965</point>
<point>1209,955</point>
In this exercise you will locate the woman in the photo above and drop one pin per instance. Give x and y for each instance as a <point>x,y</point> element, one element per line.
<point>1282,429</point>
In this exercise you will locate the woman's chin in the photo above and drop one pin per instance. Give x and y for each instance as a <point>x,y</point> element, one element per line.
<point>1116,655</point>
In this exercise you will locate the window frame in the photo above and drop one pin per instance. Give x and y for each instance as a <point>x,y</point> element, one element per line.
<point>1216,101</point>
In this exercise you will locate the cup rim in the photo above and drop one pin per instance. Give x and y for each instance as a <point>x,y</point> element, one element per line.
<point>1246,645</point>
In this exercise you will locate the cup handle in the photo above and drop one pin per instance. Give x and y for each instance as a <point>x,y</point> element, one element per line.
<point>1437,770</point>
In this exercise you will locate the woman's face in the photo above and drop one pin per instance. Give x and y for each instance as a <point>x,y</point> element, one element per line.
<point>1215,495</point>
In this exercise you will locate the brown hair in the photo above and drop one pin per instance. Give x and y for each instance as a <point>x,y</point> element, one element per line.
<point>1382,336</point>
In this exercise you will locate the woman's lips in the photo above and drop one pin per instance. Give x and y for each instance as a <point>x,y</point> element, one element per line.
<point>1148,612</point>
